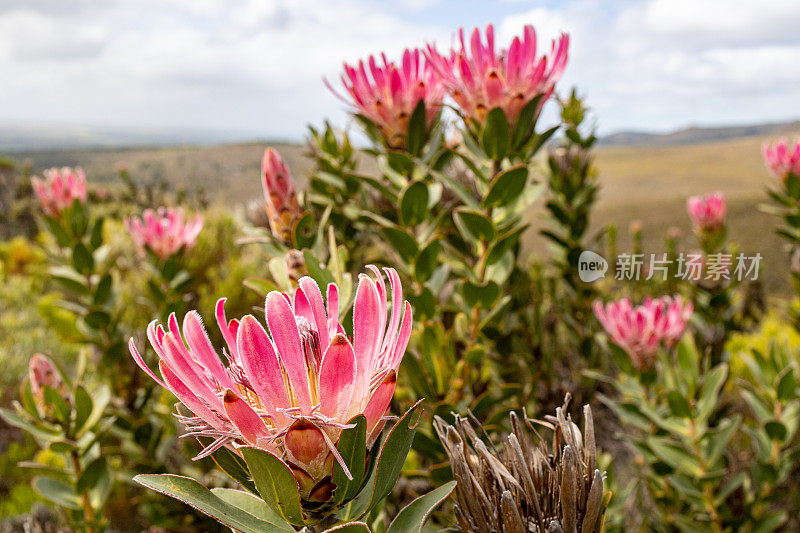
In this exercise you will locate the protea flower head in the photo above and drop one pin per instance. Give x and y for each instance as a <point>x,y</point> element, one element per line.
<point>42,373</point>
<point>707,212</point>
<point>642,329</point>
<point>523,486</point>
<point>480,77</point>
<point>59,190</point>
<point>290,388</point>
<point>280,194</point>
<point>165,231</point>
<point>782,158</point>
<point>387,93</point>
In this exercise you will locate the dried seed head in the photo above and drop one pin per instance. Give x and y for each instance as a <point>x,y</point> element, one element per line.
<point>528,485</point>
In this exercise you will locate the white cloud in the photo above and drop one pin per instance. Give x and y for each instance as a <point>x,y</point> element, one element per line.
<point>257,65</point>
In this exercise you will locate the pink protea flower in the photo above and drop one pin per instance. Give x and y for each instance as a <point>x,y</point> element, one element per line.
<point>387,93</point>
<point>782,158</point>
<point>60,188</point>
<point>707,212</point>
<point>280,195</point>
<point>480,78</point>
<point>291,388</point>
<point>165,232</point>
<point>641,330</point>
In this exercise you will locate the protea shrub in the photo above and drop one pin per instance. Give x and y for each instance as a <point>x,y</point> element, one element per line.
<point>384,95</point>
<point>526,484</point>
<point>481,77</point>
<point>299,404</point>
<point>165,231</point>
<point>60,188</point>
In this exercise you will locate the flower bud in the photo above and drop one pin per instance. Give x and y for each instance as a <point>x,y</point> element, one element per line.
<point>280,194</point>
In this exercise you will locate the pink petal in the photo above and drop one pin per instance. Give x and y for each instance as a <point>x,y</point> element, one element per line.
<point>246,420</point>
<point>188,398</point>
<point>261,365</point>
<point>283,327</point>
<point>198,341</point>
<point>337,377</point>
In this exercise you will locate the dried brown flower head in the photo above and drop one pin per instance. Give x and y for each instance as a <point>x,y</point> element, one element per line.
<point>526,487</point>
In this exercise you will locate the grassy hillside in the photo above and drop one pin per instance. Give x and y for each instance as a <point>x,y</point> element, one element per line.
<point>647,183</point>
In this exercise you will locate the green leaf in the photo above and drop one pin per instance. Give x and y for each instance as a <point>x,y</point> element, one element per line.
<point>495,134</point>
<point>53,398</point>
<point>393,456</point>
<point>504,244</point>
<point>526,122</point>
<point>103,291</point>
<point>776,430</point>
<point>417,128</point>
<point>426,261</point>
<point>77,219</point>
<point>58,231</point>
<point>413,516</point>
<point>352,446</point>
<point>92,474</point>
<point>196,495</point>
<point>674,456</point>
<point>473,225</point>
<point>37,430</point>
<point>402,242</point>
<point>262,286</point>
<point>484,295</point>
<point>679,405</point>
<point>82,259</point>
<point>233,465</point>
<point>57,492</point>
<point>247,502</point>
<point>709,393</point>
<point>320,274</point>
<point>414,203</point>
<point>97,319</point>
<point>303,231</point>
<point>83,407</point>
<point>787,386</point>
<point>96,239</point>
<point>99,402</point>
<point>506,187</point>
<point>275,484</point>
<point>718,440</point>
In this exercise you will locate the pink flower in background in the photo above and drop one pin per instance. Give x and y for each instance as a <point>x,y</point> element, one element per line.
<point>42,372</point>
<point>641,330</point>
<point>60,188</point>
<point>707,212</point>
<point>387,93</point>
<point>165,232</point>
<point>480,78</point>
<point>293,390</point>
<point>280,195</point>
<point>782,158</point>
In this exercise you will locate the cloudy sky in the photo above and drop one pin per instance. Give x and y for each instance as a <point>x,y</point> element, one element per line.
<point>255,67</point>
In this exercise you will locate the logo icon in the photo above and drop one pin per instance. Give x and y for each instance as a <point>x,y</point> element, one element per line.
<point>591,266</point>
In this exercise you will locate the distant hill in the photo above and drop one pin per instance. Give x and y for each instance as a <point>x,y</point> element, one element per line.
<point>25,138</point>
<point>695,134</point>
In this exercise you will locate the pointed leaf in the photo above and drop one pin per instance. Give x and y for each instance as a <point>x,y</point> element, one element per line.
<point>352,446</point>
<point>506,187</point>
<point>414,203</point>
<point>496,134</point>
<point>413,516</point>
<point>275,484</point>
<point>57,492</point>
<point>196,495</point>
